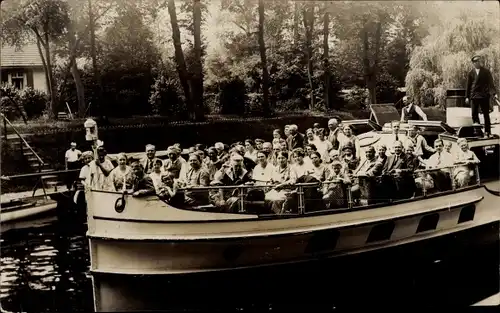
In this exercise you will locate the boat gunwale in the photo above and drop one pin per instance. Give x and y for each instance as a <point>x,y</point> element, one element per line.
<point>266,217</point>
<point>276,235</point>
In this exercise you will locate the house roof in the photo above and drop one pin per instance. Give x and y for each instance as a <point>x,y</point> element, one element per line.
<point>25,56</point>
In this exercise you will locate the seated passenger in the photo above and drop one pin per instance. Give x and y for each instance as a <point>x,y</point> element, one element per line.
<point>267,147</point>
<point>230,175</point>
<point>324,146</point>
<point>194,176</point>
<point>156,174</point>
<point>175,162</point>
<point>247,162</point>
<point>465,161</point>
<point>299,166</point>
<point>259,143</point>
<point>421,146</point>
<point>443,161</point>
<point>310,148</point>
<point>396,175</point>
<point>412,159</point>
<point>396,162</point>
<point>348,138</point>
<point>285,177</point>
<point>381,153</point>
<point>250,152</point>
<point>210,162</point>
<point>263,171</point>
<point>276,136</point>
<point>447,146</point>
<point>148,161</point>
<point>310,138</point>
<point>122,176</point>
<point>349,160</point>
<point>395,135</point>
<point>317,169</point>
<point>334,190</point>
<point>369,167</point>
<point>142,185</point>
<point>222,154</point>
<point>168,190</point>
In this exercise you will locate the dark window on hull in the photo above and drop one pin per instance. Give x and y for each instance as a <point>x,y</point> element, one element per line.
<point>323,241</point>
<point>428,222</point>
<point>467,214</point>
<point>381,232</point>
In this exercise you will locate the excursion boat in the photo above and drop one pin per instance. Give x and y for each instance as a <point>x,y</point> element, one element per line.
<point>147,237</point>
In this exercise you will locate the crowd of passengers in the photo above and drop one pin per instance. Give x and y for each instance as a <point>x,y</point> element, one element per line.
<point>330,156</point>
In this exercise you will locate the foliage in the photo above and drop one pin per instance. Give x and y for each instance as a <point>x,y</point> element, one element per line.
<point>443,61</point>
<point>28,102</point>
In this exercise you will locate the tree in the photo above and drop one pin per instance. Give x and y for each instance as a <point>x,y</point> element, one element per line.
<point>198,67</point>
<point>444,58</point>
<point>262,49</point>
<point>308,20</point>
<point>326,61</point>
<point>44,21</point>
<point>179,58</point>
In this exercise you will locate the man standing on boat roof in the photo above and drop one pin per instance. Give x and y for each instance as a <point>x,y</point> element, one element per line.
<point>296,139</point>
<point>411,111</point>
<point>480,86</point>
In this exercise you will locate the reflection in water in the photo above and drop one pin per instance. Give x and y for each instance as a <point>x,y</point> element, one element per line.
<point>45,268</point>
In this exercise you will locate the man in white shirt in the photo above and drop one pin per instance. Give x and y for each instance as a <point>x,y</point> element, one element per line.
<point>72,162</point>
<point>440,159</point>
<point>396,135</point>
<point>72,157</point>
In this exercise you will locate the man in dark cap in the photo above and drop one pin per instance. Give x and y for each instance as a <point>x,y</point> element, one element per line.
<point>480,86</point>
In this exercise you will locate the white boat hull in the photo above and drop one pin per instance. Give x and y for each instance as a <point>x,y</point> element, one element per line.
<point>24,213</point>
<point>159,240</point>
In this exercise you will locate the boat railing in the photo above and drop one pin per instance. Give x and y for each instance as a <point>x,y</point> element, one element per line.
<point>6,120</point>
<point>339,194</point>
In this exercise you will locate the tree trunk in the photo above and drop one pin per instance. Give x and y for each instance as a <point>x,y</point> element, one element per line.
<point>296,19</point>
<point>263,60</point>
<point>179,58</point>
<point>45,70</point>
<point>198,68</point>
<point>52,87</point>
<point>309,27</point>
<point>371,71</point>
<point>326,62</point>
<point>93,54</point>
<point>80,90</point>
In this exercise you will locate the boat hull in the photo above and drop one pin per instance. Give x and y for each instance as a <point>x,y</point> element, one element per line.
<point>159,242</point>
<point>277,284</point>
<point>25,213</point>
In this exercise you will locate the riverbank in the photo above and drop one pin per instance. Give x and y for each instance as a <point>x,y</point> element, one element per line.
<point>43,126</point>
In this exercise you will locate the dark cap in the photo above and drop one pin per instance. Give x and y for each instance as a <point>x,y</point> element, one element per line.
<point>475,58</point>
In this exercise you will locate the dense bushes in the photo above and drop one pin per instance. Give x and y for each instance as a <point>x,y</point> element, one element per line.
<point>28,102</point>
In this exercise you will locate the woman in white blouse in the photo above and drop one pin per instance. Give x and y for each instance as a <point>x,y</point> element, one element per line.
<point>465,161</point>
<point>263,171</point>
<point>300,167</point>
<point>122,175</point>
<point>285,177</point>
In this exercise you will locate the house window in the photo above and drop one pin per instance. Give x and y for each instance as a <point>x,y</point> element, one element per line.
<point>17,80</point>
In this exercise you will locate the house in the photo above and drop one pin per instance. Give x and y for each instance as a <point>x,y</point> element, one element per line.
<point>22,67</point>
